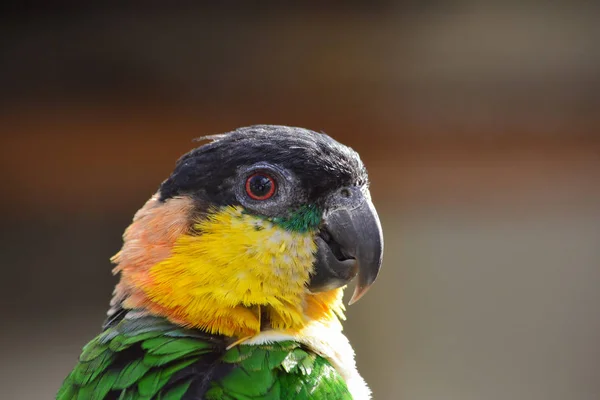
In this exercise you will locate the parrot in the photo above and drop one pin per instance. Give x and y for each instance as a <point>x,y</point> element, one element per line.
<point>231,276</point>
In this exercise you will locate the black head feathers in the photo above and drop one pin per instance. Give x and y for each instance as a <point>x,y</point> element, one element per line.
<point>319,163</point>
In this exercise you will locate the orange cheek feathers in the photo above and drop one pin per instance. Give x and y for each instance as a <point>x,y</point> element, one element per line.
<point>222,280</point>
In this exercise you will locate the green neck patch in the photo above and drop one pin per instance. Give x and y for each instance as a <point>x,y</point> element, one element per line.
<point>304,219</point>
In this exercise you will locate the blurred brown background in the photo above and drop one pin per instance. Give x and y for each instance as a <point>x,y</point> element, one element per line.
<point>478,121</point>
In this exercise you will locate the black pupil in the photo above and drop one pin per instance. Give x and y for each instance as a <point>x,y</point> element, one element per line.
<point>260,185</point>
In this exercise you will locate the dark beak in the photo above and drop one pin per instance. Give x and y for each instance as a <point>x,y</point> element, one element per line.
<point>350,243</point>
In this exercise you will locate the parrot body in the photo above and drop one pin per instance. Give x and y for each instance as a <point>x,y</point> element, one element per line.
<point>150,358</point>
<point>232,277</point>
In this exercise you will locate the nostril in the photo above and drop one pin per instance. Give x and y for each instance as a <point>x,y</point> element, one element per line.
<point>345,192</point>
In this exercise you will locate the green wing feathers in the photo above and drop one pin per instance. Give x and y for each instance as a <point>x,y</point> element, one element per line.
<point>135,360</point>
<point>152,359</point>
<point>277,371</point>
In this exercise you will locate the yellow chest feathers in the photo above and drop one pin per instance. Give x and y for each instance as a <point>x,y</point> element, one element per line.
<point>236,275</point>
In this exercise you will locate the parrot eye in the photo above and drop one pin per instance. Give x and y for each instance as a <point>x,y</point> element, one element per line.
<point>260,186</point>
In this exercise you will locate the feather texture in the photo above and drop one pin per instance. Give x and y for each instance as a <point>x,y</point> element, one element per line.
<point>151,359</point>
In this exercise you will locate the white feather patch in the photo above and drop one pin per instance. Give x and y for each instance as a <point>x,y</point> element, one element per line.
<point>328,342</point>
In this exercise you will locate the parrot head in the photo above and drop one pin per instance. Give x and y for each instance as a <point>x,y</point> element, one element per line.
<point>259,229</point>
